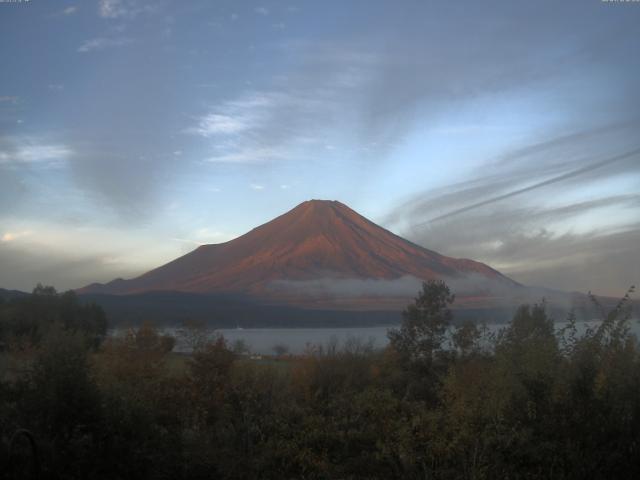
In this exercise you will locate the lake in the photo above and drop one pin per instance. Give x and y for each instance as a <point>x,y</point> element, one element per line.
<point>263,340</point>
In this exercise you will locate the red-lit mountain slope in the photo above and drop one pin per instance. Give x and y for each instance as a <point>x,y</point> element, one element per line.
<point>317,241</point>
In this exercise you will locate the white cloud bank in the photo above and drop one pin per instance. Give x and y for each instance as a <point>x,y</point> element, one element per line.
<point>24,151</point>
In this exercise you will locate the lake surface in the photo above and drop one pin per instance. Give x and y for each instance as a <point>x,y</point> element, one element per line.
<point>263,340</point>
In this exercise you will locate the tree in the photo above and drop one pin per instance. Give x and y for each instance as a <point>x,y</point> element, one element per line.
<point>44,291</point>
<point>241,347</point>
<point>208,376</point>
<point>425,323</point>
<point>60,403</point>
<point>26,320</point>
<point>280,349</point>
<point>466,338</point>
<point>194,335</point>
<point>529,343</point>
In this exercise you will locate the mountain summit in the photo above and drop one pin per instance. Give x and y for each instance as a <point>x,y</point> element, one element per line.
<point>318,241</point>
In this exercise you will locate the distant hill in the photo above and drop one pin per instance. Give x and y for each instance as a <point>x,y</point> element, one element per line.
<point>9,294</point>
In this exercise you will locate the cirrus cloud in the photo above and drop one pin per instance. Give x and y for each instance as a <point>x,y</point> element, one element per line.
<point>102,43</point>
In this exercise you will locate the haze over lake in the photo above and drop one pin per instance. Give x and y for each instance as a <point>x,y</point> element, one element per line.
<point>263,340</point>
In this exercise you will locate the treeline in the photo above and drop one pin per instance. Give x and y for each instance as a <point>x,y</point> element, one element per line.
<point>528,402</point>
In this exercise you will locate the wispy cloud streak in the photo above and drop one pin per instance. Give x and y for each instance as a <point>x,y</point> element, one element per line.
<point>103,43</point>
<point>551,181</point>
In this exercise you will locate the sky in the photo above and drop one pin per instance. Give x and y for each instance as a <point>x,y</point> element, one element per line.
<point>132,131</point>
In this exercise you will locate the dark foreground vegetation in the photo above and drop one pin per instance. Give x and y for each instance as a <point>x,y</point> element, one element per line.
<point>528,402</point>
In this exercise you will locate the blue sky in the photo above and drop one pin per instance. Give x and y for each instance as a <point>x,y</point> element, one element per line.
<point>132,131</point>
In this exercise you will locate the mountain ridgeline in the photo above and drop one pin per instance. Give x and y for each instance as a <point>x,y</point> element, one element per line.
<point>319,250</point>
